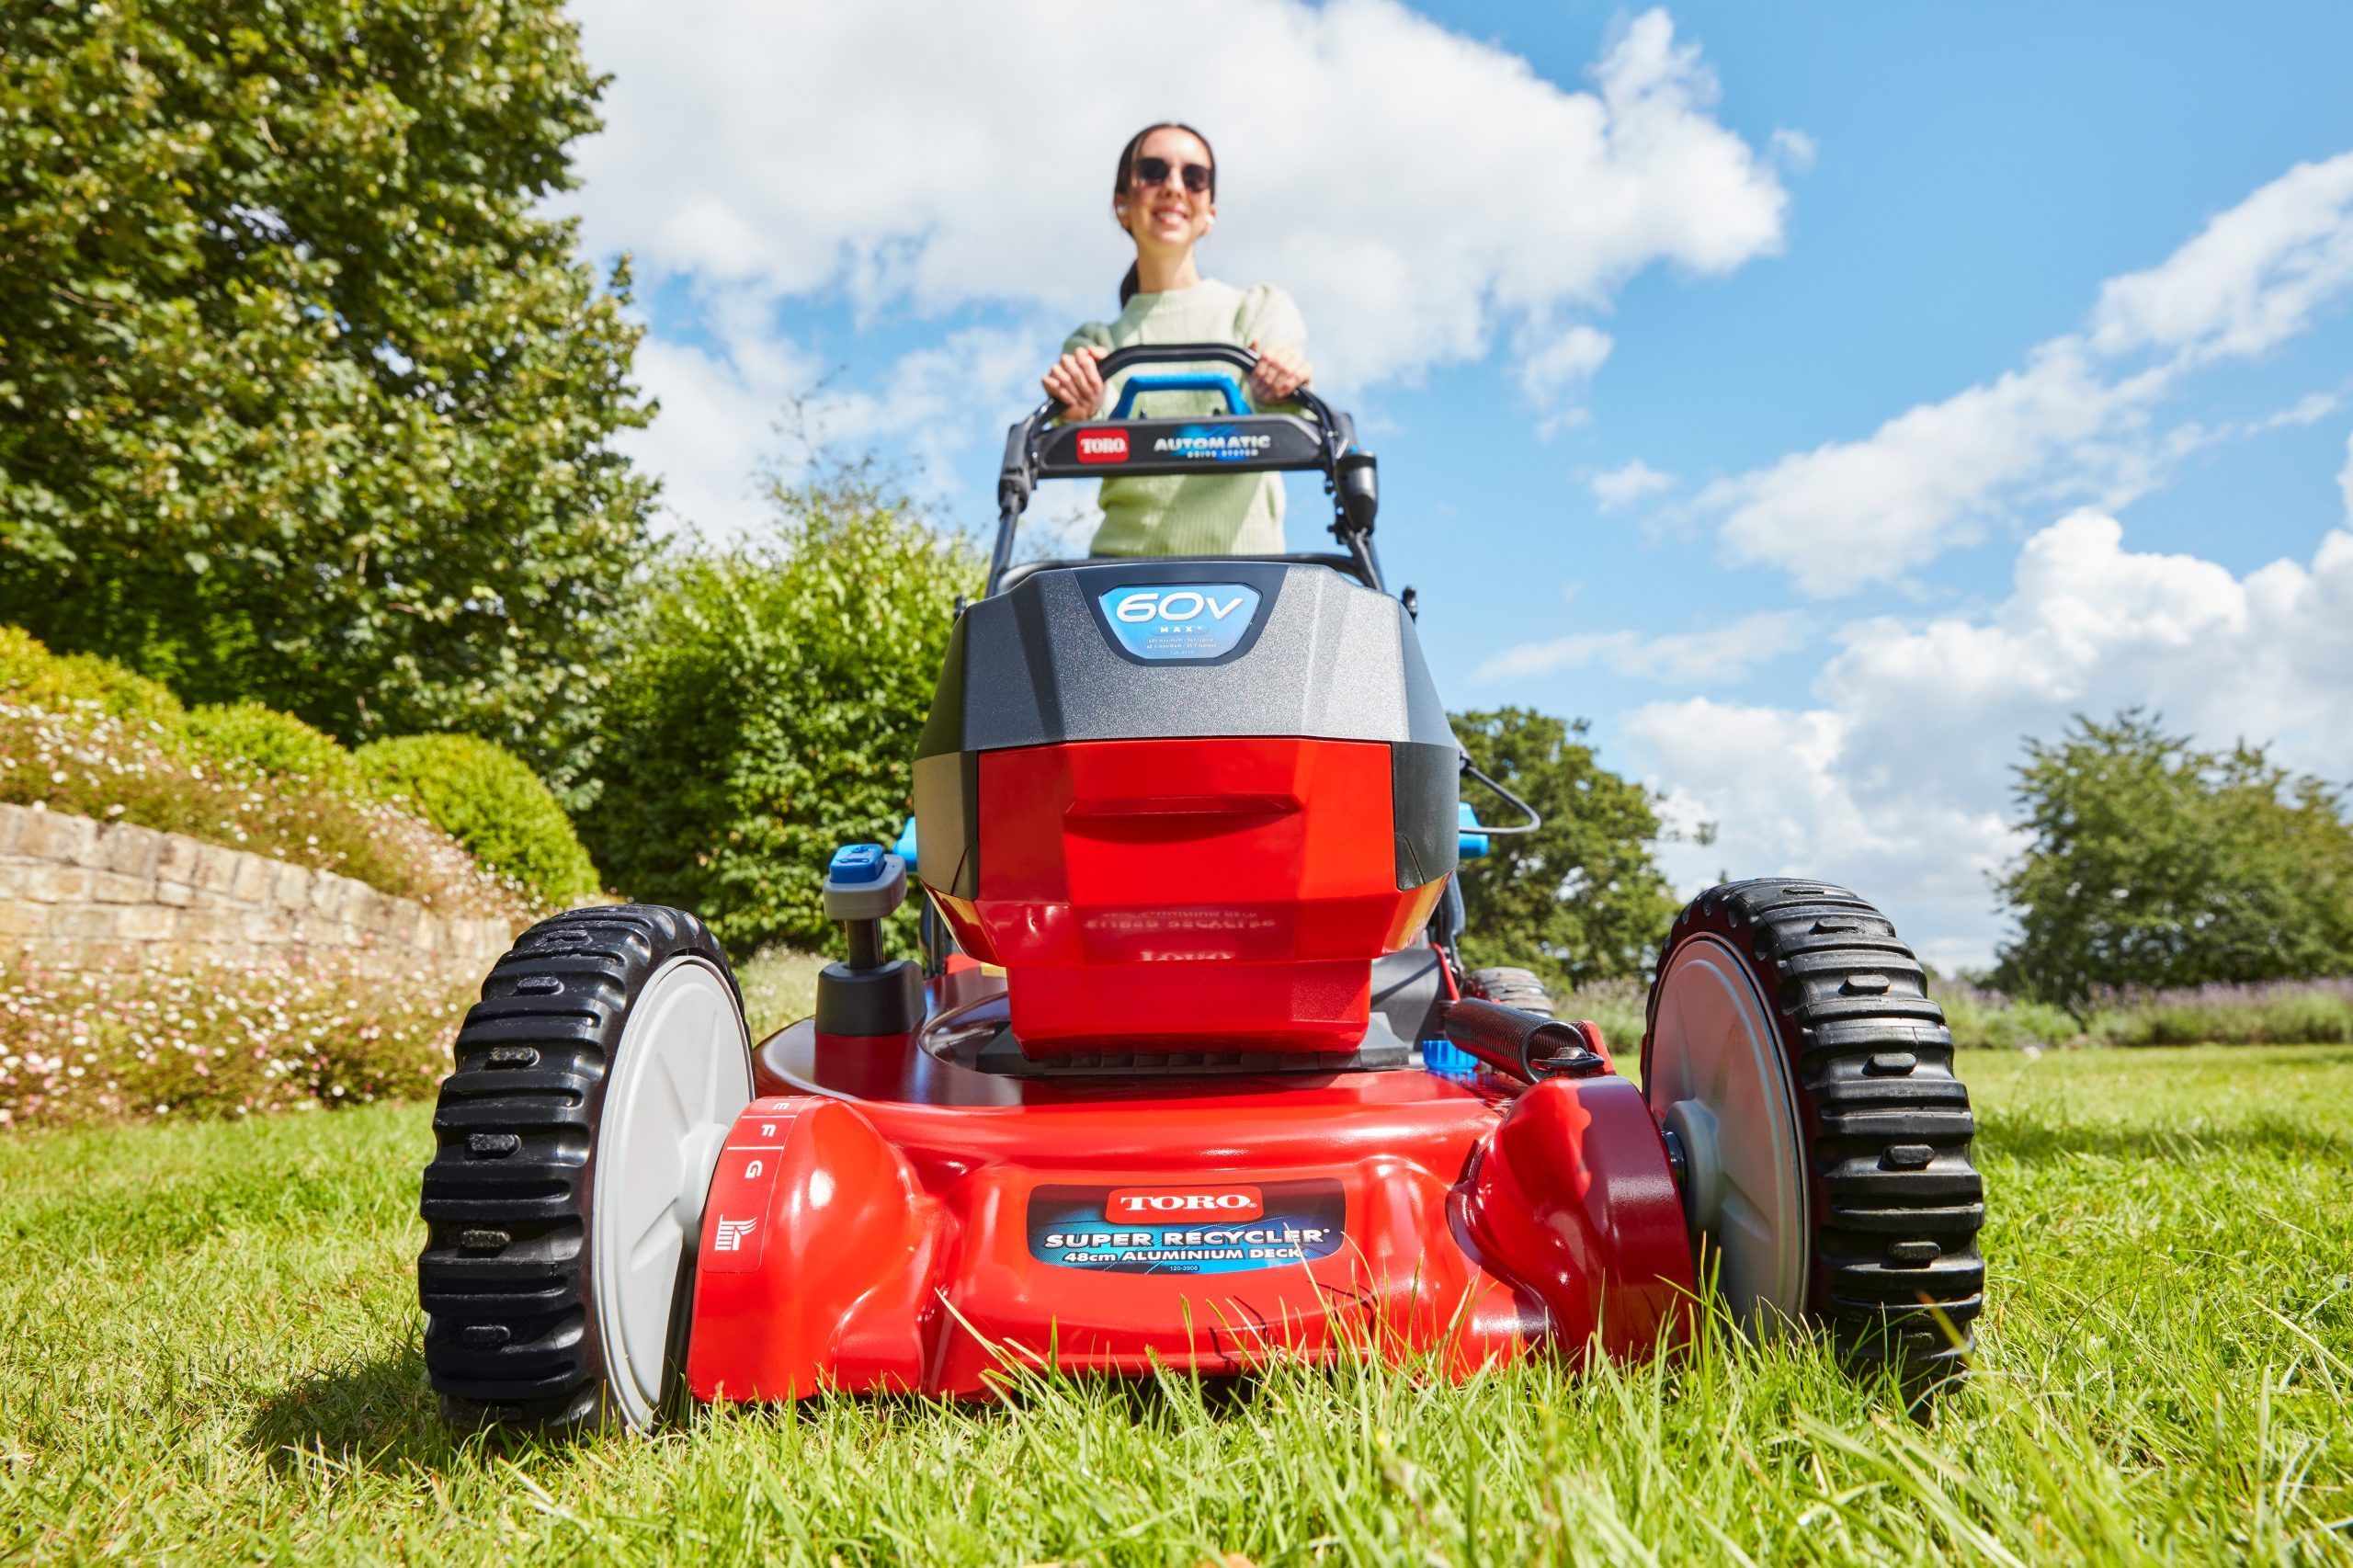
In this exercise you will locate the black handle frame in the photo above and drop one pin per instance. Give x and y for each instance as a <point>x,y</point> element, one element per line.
<point>1322,439</point>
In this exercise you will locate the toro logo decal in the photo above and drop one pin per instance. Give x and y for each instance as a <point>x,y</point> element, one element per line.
<point>1178,1203</point>
<point>1180,621</point>
<point>1102,446</point>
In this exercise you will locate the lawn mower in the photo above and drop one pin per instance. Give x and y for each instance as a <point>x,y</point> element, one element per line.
<point>1190,1072</point>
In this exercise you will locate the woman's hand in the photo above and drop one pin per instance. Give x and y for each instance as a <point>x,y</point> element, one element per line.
<point>1280,374</point>
<point>1075,383</point>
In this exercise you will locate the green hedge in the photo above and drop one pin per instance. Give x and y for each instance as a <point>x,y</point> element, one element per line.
<point>488,799</point>
<point>768,710</point>
<point>84,735</point>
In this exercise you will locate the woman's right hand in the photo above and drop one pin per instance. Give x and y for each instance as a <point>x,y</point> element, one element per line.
<point>1075,383</point>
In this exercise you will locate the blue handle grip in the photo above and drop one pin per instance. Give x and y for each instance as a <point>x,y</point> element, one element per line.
<point>1181,380</point>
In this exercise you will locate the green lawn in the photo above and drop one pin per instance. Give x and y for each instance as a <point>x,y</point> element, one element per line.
<point>210,1352</point>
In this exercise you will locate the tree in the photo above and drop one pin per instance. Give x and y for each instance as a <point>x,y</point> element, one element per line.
<point>2150,863</point>
<point>302,398</point>
<point>1581,897</point>
<point>767,709</point>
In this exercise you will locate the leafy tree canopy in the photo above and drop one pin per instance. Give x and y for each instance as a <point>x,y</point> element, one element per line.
<point>300,398</point>
<point>1580,899</point>
<point>766,708</point>
<point>2151,863</point>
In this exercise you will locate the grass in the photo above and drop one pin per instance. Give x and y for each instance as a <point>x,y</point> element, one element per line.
<point>208,1349</point>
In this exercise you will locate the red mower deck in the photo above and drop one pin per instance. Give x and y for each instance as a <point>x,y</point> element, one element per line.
<point>883,1218</point>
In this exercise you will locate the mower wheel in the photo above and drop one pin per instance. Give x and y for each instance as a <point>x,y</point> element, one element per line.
<point>1509,988</point>
<point>1805,1081</point>
<point>596,1082</point>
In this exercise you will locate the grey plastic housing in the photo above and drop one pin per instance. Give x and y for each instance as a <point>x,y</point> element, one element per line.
<point>869,901</point>
<point>1325,657</point>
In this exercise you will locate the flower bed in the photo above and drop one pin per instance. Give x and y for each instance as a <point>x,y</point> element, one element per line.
<point>307,1029</point>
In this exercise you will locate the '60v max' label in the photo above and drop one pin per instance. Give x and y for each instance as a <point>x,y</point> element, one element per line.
<point>1192,1229</point>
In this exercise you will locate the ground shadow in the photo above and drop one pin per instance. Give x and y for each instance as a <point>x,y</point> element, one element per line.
<point>378,1412</point>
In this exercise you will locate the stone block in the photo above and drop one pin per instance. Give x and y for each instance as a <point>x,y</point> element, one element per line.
<point>325,888</point>
<point>174,895</point>
<point>216,870</point>
<point>58,838</point>
<point>252,883</point>
<point>145,922</point>
<point>291,886</point>
<point>79,922</point>
<point>266,927</point>
<point>18,918</point>
<point>12,824</point>
<point>112,886</point>
<point>57,884</point>
<point>177,857</point>
<point>207,927</point>
<point>130,850</point>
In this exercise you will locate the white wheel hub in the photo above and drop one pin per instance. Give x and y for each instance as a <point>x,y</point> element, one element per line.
<point>681,1073</point>
<point>1721,1083</point>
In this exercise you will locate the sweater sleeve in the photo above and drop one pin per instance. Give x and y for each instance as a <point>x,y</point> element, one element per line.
<point>1094,335</point>
<point>1270,316</point>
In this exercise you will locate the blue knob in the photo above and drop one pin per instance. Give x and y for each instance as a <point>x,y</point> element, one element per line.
<point>1470,844</point>
<point>1447,1059</point>
<point>856,863</point>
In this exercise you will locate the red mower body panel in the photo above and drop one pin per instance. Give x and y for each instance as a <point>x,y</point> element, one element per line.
<point>1155,894</point>
<point>883,1219</point>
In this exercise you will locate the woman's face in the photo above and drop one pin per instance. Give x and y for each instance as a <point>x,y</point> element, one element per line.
<point>1166,213</point>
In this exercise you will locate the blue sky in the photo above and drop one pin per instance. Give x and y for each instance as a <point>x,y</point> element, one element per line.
<point>1816,400</point>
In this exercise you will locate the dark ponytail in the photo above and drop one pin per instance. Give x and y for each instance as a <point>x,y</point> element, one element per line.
<point>1126,178</point>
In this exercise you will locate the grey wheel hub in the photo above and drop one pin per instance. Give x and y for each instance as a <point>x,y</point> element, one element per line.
<point>681,1074</point>
<point>1722,1085</point>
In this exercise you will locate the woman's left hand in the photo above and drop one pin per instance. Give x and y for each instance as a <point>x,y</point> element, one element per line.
<point>1280,372</point>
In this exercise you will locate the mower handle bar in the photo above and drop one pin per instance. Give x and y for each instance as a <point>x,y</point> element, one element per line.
<point>1321,440</point>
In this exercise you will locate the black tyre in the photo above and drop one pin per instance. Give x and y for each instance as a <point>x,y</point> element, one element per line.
<point>1806,1079</point>
<point>1510,988</point>
<point>566,1189</point>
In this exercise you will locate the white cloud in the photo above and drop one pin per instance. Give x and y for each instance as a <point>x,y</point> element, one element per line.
<point>1897,783</point>
<point>1554,366</point>
<point>1681,658</point>
<point>721,436</point>
<point>2253,279</point>
<point>1628,483</point>
<point>1793,150</point>
<point>2345,479</point>
<point>2074,423</point>
<point>926,157</point>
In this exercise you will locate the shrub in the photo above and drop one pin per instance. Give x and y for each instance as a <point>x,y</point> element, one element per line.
<point>1989,1020</point>
<point>80,735</point>
<point>296,1032</point>
<point>1617,1007</point>
<point>767,709</point>
<point>273,742</point>
<point>489,801</point>
<point>31,674</point>
<point>2282,1013</point>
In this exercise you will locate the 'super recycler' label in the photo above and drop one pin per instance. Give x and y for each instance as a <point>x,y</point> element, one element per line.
<point>1194,1229</point>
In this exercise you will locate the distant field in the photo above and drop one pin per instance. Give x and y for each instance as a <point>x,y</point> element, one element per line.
<point>209,1351</point>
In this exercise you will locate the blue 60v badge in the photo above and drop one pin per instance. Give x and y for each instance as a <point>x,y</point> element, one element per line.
<point>1180,621</point>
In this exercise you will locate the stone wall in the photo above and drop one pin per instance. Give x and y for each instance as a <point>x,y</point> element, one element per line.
<point>79,893</point>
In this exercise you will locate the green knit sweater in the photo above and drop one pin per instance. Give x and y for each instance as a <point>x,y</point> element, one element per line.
<point>1238,514</point>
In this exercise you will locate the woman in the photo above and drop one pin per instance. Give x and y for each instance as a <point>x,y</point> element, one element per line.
<point>1166,197</point>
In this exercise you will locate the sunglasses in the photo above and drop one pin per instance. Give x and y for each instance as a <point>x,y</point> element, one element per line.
<point>1154,171</point>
